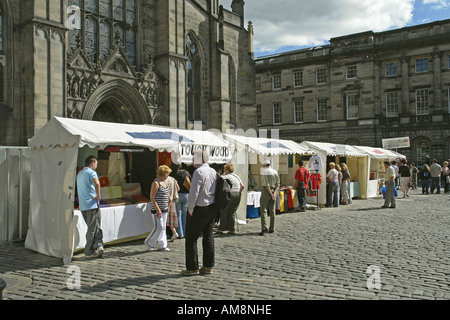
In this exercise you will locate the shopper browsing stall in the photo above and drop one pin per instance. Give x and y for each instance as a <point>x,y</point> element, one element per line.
<point>159,205</point>
<point>301,183</point>
<point>88,186</point>
<point>228,214</point>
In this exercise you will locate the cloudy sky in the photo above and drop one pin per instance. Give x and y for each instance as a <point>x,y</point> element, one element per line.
<point>284,25</point>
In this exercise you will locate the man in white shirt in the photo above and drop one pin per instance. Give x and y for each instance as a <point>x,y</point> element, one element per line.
<point>435,170</point>
<point>202,210</point>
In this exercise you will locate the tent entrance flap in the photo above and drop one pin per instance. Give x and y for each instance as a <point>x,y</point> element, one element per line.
<point>52,191</point>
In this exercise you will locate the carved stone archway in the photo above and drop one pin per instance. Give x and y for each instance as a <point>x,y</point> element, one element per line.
<point>117,101</point>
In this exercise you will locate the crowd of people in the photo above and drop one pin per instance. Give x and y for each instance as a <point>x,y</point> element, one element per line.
<point>185,202</point>
<point>431,177</point>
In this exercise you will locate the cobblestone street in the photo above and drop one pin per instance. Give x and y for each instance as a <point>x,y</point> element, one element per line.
<point>318,254</point>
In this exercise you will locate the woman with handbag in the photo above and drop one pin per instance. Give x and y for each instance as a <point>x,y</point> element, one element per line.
<point>183,178</point>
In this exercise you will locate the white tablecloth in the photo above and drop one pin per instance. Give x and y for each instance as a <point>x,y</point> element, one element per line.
<point>116,223</point>
<point>253,198</point>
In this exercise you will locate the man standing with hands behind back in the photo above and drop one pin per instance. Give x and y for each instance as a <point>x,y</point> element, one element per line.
<point>270,183</point>
<point>201,213</point>
<point>88,187</point>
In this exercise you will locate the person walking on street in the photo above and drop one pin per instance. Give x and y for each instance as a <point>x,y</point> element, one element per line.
<point>270,184</point>
<point>389,178</point>
<point>301,183</point>
<point>202,211</point>
<point>435,170</point>
<point>88,187</point>
<point>228,214</point>
<point>159,207</point>
<point>405,177</point>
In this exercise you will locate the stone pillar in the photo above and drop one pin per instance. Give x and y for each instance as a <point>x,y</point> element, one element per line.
<point>437,80</point>
<point>49,61</point>
<point>405,108</point>
<point>170,58</point>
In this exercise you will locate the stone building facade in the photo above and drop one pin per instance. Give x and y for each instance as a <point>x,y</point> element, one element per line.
<point>167,62</point>
<point>363,88</point>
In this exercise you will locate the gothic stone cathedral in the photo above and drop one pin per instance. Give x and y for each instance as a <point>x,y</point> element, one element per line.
<point>166,62</point>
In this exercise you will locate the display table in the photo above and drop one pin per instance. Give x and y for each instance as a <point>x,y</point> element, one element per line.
<point>117,223</point>
<point>354,190</point>
<point>373,188</point>
<point>253,204</point>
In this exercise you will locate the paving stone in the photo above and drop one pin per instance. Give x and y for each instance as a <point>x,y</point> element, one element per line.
<point>315,255</point>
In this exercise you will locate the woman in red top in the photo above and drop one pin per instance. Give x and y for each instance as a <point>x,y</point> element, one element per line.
<point>301,183</point>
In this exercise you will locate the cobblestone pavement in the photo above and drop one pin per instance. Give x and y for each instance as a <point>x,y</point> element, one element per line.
<point>318,254</point>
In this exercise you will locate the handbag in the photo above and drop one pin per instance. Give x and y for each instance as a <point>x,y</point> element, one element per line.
<point>447,179</point>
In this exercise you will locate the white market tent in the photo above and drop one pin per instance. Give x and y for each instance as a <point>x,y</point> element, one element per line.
<point>356,160</point>
<point>376,168</point>
<point>53,171</point>
<point>249,149</point>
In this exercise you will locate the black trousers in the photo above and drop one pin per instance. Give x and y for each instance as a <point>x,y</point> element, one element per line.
<point>202,221</point>
<point>94,234</point>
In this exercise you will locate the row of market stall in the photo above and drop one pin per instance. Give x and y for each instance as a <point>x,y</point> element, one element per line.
<point>128,158</point>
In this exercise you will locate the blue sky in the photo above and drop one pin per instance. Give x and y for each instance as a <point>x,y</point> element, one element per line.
<point>285,25</point>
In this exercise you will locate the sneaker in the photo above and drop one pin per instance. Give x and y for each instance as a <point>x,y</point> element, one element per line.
<point>174,236</point>
<point>99,252</point>
<point>164,249</point>
<point>190,272</point>
<point>148,247</point>
<point>205,270</point>
<point>263,232</point>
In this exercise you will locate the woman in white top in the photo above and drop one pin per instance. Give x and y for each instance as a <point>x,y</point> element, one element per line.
<point>333,186</point>
<point>159,207</point>
<point>228,214</point>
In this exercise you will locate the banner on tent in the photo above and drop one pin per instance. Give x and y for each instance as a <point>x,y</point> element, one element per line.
<point>217,154</point>
<point>125,149</point>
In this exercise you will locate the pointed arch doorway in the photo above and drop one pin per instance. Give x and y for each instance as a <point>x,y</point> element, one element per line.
<point>117,101</point>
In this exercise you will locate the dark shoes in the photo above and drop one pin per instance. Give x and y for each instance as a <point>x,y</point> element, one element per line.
<point>190,272</point>
<point>265,231</point>
<point>202,270</point>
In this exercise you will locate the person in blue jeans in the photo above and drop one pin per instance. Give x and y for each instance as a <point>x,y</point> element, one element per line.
<point>184,182</point>
<point>424,177</point>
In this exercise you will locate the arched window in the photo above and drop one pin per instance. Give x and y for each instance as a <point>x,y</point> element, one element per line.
<point>101,20</point>
<point>193,81</point>
<point>423,152</point>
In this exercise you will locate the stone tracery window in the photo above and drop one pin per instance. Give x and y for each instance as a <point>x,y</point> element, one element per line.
<point>193,80</point>
<point>101,21</point>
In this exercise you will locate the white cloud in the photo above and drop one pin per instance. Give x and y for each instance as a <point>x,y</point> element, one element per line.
<point>299,23</point>
<point>437,4</point>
